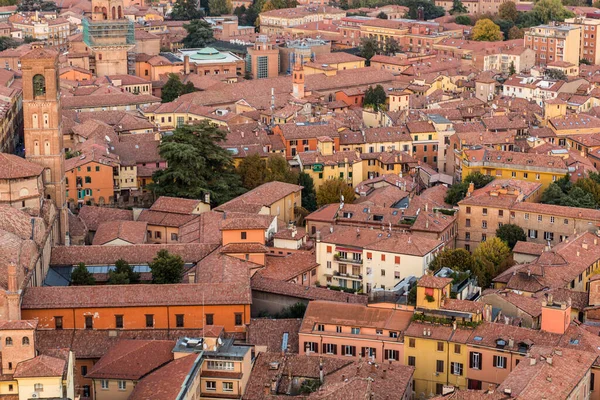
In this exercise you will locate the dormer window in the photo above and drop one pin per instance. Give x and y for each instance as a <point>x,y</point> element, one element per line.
<point>500,343</point>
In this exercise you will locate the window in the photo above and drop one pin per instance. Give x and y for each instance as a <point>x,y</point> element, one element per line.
<point>320,328</point>
<point>468,223</point>
<point>348,350</point>
<point>221,365</point>
<point>329,348</point>
<point>551,220</point>
<point>440,346</point>
<point>468,210</point>
<point>209,319</point>
<point>119,321</point>
<point>211,385</point>
<point>83,370</point>
<point>58,323</point>
<point>122,385</point>
<point>526,216</point>
<point>179,320</point>
<point>11,388</point>
<point>397,260</point>
<point>355,331</point>
<point>483,237</point>
<point>396,274</point>
<point>89,322</point>
<point>228,386</point>
<point>439,366</point>
<point>484,211</point>
<point>104,384</point>
<point>238,319</point>
<point>548,236</point>
<point>513,174</point>
<point>392,355</point>
<point>456,368</point>
<point>532,233</point>
<point>329,249</point>
<point>174,237</point>
<point>412,361</point>
<point>457,349</point>
<point>244,235</point>
<point>149,320</point>
<point>9,341</point>
<point>157,235</point>
<point>499,362</point>
<point>393,334</point>
<point>475,360</point>
<point>338,329</point>
<point>484,224</point>
<point>383,272</point>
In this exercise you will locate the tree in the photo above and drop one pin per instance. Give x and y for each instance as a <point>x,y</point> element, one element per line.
<point>345,6</point>
<point>375,97</point>
<point>455,259</point>
<point>551,10</point>
<point>391,46</point>
<point>463,20</point>
<point>515,33</point>
<point>309,195</point>
<point>172,89</point>
<point>596,4</point>
<point>430,10</point>
<point>511,234</point>
<point>511,68</point>
<point>557,74</point>
<point>7,42</point>
<point>332,190</point>
<point>382,15</point>
<point>552,195</point>
<point>122,274</point>
<point>585,61</point>
<point>278,169</point>
<point>508,11</point>
<point>590,186</point>
<point>196,164</point>
<point>458,191</point>
<point>368,48</point>
<point>219,7</point>
<point>505,27</point>
<point>527,20</point>
<point>490,259</point>
<point>186,10</point>
<point>36,5</point>
<point>485,30</point>
<point>252,171</point>
<point>166,268</point>
<point>457,8</point>
<point>200,34</point>
<point>478,179</point>
<point>81,276</point>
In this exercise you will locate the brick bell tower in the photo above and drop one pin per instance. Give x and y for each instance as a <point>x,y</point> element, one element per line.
<point>42,126</point>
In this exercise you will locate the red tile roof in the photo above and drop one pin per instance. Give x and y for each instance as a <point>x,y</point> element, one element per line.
<point>289,266</point>
<point>176,205</point>
<point>15,167</point>
<point>41,366</point>
<point>430,281</point>
<point>133,232</point>
<point>166,382</point>
<point>262,196</point>
<point>269,333</point>
<point>92,215</point>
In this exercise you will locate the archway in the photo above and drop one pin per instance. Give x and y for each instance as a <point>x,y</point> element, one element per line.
<point>114,13</point>
<point>104,13</point>
<point>120,12</point>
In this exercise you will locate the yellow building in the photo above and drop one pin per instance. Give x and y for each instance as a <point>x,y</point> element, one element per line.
<point>175,114</point>
<point>539,168</point>
<point>329,64</point>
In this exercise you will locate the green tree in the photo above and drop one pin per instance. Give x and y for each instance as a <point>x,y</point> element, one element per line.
<point>552,195</point>
<point>199,34</point>
<point>511,234</point>
<point>527,20</point>
<point>219,7</point>
<point>515,33</point>
<point>554,73</point>
<point>491,258</point>
<point>585,61</point>
<point>166,268</point>
<point>505,27</point>
<point>578,197</point>
<point>382,15</point>
<point>344,4</point>
<point>375,97</point>
<point>36,5</point>
<point>122,274</point>
<point>391,46</point>
<point>590,186</point>
<point>458,191</point>
<point>455,259</point>
<point>551,10</point>
<point>252,171</point>
<point>81,276</point>
<point>430,10</point>
<point>7,42</point>
<point>186,10</point>
<point>309,195</point>
<point>368,48</point>
<point>463,20</point>
<point>196,164</point>
<point>478,179</point>
<point>508,11</point>
<point>511,69</point>
<point>278,169</point>
<point>485,30</point>
<point>458,8</point>
<point>172,89</point>
<point>332,191</point>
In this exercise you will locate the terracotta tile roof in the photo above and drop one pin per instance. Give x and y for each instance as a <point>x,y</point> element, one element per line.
<point>329,313</point>
<point>288,234</point>
<point>92,215</point>
<point>262,196</point>
<point>438,332</point>
<point>575,121</point>
<point>15,167</point>
<point>294,131</point>
<point>230,222</point>
<point>502,193</point>
<point>430,281</point>
<point>315,157</point>
<point>269,333</point>
<point>420,127</point>
<point>287,267</point>
<point>137,253</point>
<point>246,248</point>
<point>514,158</point>
<point>529,248</point>
<point>386,196</point>
<point>204,229</point>
<point>133,232</point>
<point>221,268</point>
<point>136,295</point>
<point>41,366</point>
<point>132,359</point>
<point>488,333</point>
<point>176,205</point>
<point>26,324</point>
<point>267,285</point>
<point>107,100</point>
<point>472,307</point>
<point>162,218</point>
<point>166,382</point>
<point>530,305</point>
<point>558,211</point>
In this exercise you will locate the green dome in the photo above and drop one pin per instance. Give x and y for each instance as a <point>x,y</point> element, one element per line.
<point>208,53</point>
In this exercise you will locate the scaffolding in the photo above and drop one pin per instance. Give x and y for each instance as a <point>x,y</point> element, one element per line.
<point>108,33</point>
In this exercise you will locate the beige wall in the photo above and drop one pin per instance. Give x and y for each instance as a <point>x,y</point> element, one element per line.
<point>16,191</point>
<point>113,392</point>
<point>52,387</point>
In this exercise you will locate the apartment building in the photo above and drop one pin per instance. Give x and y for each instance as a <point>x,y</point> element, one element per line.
<point>366,259</point>
<point>351,331</point>
<point>275,21</point>
<point>520,57</point>
<point>554,43</point>
<point>589,44</point>
<point>537,168</point>
<point>474,6</point>
<point>48,28</point>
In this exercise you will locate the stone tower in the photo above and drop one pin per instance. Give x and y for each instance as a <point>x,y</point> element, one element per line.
<point>111,37</point>
<point>298,81</point>
<point>42,126</point>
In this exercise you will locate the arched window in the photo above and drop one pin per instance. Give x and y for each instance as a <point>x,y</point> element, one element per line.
<point>47,148</point>
<point>8,341</point>
<point>104,13</point>
<point>36,147</point>
<point>25,341</point>
<point>39,85</point>
<point>114,13</point>
<point>120,12</point>
<point>46,120</point>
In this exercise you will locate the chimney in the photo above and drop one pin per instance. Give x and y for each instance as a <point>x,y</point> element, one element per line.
<point>321,376</point>
<point>186,65</point>
<point>471,189</point>
<point>192,277</point>
<point>12,278</point>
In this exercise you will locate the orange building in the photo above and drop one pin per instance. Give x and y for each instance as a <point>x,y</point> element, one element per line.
<point>127,307</point>
<point>92,177</point>
<point>300,138</point>
<point>244,238</point>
